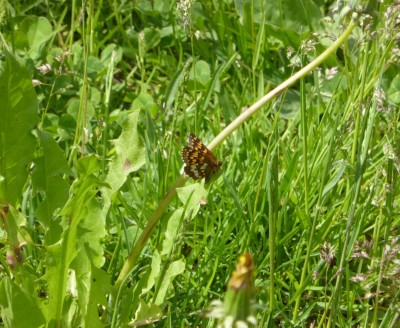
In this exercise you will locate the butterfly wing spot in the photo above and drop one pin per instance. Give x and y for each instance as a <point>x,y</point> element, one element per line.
<point>190,173</point>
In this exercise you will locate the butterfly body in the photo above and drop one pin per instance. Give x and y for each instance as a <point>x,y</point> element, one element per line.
<point>200,162</point>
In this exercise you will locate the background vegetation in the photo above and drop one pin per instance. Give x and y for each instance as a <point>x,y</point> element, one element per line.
<point>98,227</point>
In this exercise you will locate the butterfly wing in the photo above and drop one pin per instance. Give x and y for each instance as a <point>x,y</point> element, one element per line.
<point>192,164</point>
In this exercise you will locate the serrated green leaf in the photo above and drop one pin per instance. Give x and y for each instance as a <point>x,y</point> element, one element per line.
<point>92,286</point>
<point>130,156</point>
<point>46,178</point>
<point>90,232</point>
<point>80,223</point>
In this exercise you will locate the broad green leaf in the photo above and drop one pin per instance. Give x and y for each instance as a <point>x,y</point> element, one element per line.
<point>95,67</point>
<point>90,232</point>
<point>87,165</point>
<point>18,308</point>
<point>38,31</point>
<point>18,112</point>
<point>92,285</point>
<point>285,20</point>
<point>394,90</point>
<point>171,233</point>
<point>47,178</point>
<point>80,211</point>
<point>176,268</point>
<point>130,156</point>
<point>200,73</point>
<point>291,105</point>
<point>152,38</point>
<point>146,314</point>
<point>161,6</point>
<point>142,42</point>
<point>154,272</point>
<point>100,288</point>
<point>109,51</point>
<point>147,103</point>
<point>74,108</point>
<point>296,16</point>
<point>16,222</point>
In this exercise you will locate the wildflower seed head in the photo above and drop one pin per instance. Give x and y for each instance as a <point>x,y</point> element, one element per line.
<point>184,8</point>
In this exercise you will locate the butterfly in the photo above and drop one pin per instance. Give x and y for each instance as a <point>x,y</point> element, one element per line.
<point>200,162</point>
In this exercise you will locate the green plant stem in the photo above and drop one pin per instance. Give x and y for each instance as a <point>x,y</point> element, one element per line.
<point>273,192</point>
<point>304,131</point>
<point>146,233</point>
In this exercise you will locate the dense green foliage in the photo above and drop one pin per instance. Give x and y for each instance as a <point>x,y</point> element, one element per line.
<point>99,228</point>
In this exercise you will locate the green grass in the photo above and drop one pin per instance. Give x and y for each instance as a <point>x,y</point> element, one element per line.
<point>298,99</point>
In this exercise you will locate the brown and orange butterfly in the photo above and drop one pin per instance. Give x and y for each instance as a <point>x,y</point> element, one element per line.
<point>200,162</point>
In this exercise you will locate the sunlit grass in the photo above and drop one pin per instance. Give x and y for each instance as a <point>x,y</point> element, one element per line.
<point>308,182</point>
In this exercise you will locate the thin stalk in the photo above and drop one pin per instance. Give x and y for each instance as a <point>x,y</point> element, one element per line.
<point>304,130</point>
<point>273,192</point>
<point>360,169</point>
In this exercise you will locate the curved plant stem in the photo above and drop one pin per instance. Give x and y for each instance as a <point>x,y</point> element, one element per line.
<point>156,216</point>
<point>280,88</point>
<point>146,233</point>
